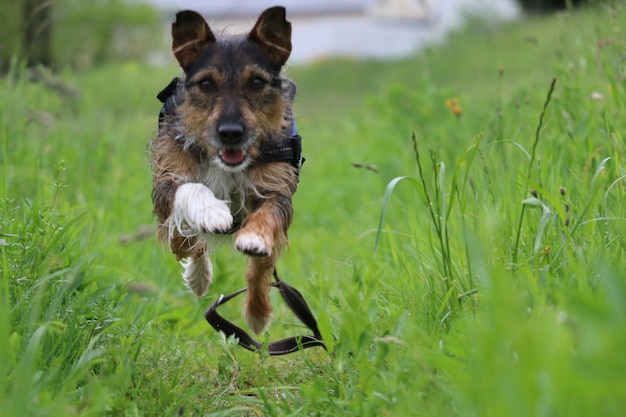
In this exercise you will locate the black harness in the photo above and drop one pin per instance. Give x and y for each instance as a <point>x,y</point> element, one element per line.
<point>287,150</point>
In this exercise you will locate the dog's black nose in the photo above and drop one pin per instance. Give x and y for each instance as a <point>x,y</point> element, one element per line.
<point>230,133</point>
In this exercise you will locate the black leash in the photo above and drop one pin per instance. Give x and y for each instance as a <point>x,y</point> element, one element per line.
<point>296,303</point>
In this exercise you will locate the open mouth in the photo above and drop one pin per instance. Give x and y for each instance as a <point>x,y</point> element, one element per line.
<point>232,156</point>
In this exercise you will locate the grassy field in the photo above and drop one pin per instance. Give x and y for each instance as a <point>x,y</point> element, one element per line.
<point>494,286</point>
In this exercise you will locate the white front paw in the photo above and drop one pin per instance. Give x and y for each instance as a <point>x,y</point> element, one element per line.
<point>196,210</point>
<point>215,218</point>
<point>252,244</point>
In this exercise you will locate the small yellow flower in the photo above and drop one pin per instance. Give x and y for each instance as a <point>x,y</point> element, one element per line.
<point>454,106</point>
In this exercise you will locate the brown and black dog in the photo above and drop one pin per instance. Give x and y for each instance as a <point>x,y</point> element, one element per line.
<point>210,171</point>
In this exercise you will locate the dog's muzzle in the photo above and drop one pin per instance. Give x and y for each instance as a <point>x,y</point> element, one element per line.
<point>289,149</point>
<point>231,137</point>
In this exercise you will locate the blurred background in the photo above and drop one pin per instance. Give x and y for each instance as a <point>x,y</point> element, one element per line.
<point>81,34</point>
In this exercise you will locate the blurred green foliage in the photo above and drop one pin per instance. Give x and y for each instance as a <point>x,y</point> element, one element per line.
<point>497,305</point>
<point>85,33</point>
<point>550,5</point>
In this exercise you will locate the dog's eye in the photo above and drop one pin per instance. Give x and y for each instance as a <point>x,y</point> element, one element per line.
<point>206,85</point>
<point>257,83</point>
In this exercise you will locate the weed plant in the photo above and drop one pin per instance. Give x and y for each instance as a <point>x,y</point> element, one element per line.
<point>460,233</point>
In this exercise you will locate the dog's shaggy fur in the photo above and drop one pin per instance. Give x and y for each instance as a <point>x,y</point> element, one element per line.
<point>231,103</point>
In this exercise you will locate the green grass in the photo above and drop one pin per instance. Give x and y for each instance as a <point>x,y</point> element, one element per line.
<point>497,285</point>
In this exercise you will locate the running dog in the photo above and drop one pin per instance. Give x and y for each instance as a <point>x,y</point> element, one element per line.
<point>226,157</point>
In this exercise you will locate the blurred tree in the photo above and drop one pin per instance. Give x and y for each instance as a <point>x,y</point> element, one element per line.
<point>95,32</point>
<point>10,41</point>
<point>37,32</point>
<point>76,33</point>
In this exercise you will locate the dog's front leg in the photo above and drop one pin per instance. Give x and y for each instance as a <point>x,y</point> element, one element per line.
<point>196,210</point>
<point>187,212</point>
<point>264,232</point>
<point>263,237</point>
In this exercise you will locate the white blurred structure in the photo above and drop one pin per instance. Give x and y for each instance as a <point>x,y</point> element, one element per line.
<point>248,8</point>
<point>322,29</point>
<point>401,9</point>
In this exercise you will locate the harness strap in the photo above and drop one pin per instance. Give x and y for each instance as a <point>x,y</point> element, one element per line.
<point>167,96</point>
<point>296,303</point>
<point>288,150</point>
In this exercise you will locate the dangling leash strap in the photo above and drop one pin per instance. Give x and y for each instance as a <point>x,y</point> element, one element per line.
<point>296,303</point>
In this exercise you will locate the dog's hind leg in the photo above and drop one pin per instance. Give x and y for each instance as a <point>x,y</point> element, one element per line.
<point>195,214</point>
<point>193,255</point>
<point>257,310</point>
<point>198,273</point>
<point>263,237</point>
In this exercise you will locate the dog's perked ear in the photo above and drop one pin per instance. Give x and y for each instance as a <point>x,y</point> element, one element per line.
<point>273,32</point>
<point>189,33</point>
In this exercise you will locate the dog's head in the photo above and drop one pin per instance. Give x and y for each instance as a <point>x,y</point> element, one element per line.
<point>234,98</point>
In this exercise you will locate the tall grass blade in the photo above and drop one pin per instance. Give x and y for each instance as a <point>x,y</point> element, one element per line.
<point>543,222</point>
<point>533,155</point>
<point>386,199</point>
<point>595,188</point>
